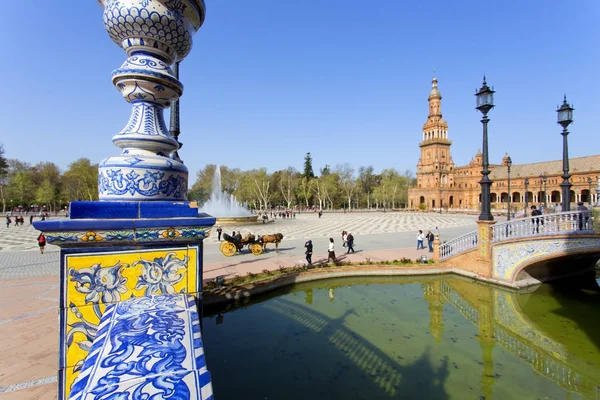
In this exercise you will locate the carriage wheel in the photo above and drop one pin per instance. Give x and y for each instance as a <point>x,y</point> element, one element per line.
<point>222,245</point>
<point>256,249</point>
<point>228,249</point>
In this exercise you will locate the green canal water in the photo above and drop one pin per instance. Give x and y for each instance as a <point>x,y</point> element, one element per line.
<point>408,338</point>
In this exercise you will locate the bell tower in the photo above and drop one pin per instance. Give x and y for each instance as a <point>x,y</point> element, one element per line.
<point>435,162</point>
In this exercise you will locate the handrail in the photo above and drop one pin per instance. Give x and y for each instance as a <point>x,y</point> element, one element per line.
<point>459,244</point>
<point>542,225</point>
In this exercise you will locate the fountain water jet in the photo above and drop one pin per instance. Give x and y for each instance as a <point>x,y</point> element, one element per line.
<point>225,207</point>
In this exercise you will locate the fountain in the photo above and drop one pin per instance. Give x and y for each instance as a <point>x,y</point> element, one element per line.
<point>225,207</point>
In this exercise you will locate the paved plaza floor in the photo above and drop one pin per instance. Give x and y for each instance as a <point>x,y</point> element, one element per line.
<point>29,280</point>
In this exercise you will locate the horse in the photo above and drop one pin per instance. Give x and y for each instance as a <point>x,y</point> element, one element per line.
<point>276,238</point>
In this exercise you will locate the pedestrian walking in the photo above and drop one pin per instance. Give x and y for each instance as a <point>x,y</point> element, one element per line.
<point>582,220</point>
<point>8,221</point>
<point>219,233</point>
<point>331,251</point>
<point>309,251</point>
<point>420,238</point>
<point>344,236</point>
<point>350,243</point>
<point>430,239</point>
<point>41,242</point>
<point>535,222</point>
<point>31,219</point>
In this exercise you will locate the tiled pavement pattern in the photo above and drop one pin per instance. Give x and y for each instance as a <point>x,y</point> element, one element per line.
<point>24,237</point>
<point>20,237</point>
<point>29,284</point>
<point>359,224</point>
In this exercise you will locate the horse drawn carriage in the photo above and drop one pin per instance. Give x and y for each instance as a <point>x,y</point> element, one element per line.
<point>256,244</point>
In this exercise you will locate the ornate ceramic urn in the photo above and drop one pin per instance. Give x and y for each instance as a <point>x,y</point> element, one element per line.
<point>154,34</point>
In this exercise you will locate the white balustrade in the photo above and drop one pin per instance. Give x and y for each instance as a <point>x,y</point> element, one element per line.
<point>548,224</point>
<point>459,244</point>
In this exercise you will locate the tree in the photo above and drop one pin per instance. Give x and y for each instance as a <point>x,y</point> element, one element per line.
<point>3,177</point>
<point>346,173</point>
<point>80,181</point>
<point>47,180</point>
<point>325,170</point>
<point>308,168</point>
<point>367,181</point>
<point>262,187</point>
<point>306,185</point>
<point>287,184</point>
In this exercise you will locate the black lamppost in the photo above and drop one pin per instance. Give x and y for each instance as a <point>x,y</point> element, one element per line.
<point>485,102</point>
<point>565,117</point>
<point>541,190</point>
<point>590,191</point>
<point>174,128</point>
<point>545,179</point>
<point>508,165</point>
<point>526,196</point>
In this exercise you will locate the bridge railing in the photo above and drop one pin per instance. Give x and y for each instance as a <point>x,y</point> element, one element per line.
<point>459,244</point>
<point>542,225</point>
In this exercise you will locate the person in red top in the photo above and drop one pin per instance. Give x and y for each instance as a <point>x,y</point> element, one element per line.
<point>41,242</point>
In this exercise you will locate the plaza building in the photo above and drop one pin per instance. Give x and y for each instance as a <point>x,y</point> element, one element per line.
<point>442,185</point>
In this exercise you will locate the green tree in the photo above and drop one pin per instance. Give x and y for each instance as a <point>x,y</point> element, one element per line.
<point>47,180</point>
<point>3,177</point>
<point>80,181</point>
<point>288,181</point>
<point>367,181</point>
<point>308,167</point>
<point>348,183</point>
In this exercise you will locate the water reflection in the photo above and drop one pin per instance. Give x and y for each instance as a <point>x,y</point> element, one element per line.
<point>350,339</point>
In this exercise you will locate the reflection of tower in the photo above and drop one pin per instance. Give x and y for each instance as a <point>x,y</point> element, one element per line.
<point>331,295</point>
<point>432,294</point>
<point>309,296</point>
<point>486,342</point>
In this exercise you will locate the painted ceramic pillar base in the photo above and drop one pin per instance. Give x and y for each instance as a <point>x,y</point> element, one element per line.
<point>112,251</point>
<point>436,248</point>
<point>484,261</point>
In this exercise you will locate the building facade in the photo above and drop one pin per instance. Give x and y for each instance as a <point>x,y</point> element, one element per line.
<point>443,186</point>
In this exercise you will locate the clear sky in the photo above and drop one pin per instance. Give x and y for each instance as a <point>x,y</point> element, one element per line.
<point>269,80</point>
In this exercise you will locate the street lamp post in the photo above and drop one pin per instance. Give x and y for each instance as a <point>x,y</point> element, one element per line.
<point>541,190</point>
<point>485,102</point>
<point>508,165</point>
<point>565,118</point>
<point>589,180</point>
<point>545,179</point>
<point>526,196</point>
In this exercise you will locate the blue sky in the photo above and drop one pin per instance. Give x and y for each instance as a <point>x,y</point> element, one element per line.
<point>269,80</point>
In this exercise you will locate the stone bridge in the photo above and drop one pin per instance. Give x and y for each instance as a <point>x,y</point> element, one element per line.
<point>525,251</point>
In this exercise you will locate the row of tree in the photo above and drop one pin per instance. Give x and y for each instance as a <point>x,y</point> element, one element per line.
<point>24,185</point>
<point>44,185</point>
<point>339,187</point>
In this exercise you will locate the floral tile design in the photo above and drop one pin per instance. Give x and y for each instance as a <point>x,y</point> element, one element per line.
<point>150,347</point>
<point>94,280</point>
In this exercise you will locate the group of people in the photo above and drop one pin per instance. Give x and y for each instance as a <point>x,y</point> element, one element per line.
<point>20,220</point>
<point>429,236</point>
<point>347,241</point>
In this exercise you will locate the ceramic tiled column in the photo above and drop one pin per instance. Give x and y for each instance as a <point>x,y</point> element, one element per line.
<point>142,238</point>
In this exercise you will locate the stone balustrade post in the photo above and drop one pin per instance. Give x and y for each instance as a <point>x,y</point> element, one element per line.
<point>484,261</point>
<point>436,247</point>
